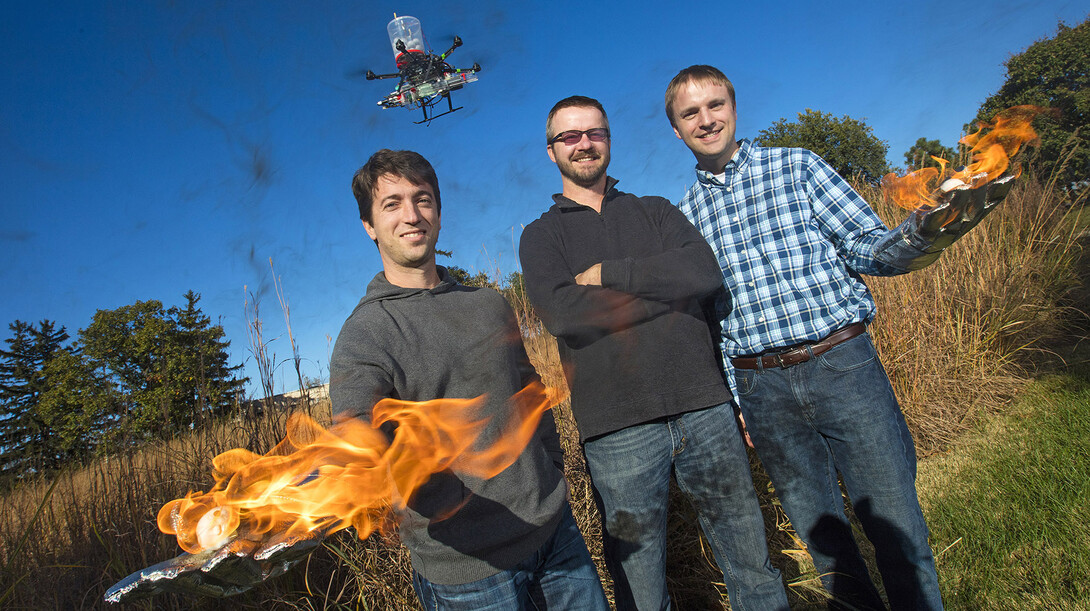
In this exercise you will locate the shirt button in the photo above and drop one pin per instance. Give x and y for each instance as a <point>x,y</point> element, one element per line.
<point>761,319</point>
<point>735,219</point>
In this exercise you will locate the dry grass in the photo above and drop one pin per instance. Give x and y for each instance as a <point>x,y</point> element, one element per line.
<point>951,337</point>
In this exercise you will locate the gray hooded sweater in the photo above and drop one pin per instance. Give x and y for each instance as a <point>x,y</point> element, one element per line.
<point>453,341</point>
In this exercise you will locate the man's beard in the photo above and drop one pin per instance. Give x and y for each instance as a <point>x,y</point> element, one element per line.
<point>585,177</point>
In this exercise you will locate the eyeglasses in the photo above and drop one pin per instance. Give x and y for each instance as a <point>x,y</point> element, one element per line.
<point>572,137</point>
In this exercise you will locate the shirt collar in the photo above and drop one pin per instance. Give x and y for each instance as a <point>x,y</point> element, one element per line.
<point>737,164</point>
<point>564,202</point>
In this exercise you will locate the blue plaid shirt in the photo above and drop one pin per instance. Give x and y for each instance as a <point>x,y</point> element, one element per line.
<point>792,238</point>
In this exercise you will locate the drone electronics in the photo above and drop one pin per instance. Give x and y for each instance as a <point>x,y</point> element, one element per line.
<point>425,78</point>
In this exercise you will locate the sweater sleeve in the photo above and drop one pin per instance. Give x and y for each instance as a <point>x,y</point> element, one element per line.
<point>578,314</point>
<point>357,380</point>
<point>686,268</point>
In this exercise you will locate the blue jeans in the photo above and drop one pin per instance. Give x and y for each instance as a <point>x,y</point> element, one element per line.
<point>630,472</point>
<point>837,412</point>
<point>560,576</point>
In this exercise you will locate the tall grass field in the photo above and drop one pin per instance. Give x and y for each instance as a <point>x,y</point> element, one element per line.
<point>1004,477</point>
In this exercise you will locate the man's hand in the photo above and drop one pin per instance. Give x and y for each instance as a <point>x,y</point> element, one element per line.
<point>232,569</point>
<point>592,276</point>
<point>929,230</point>
<point>742,427</point>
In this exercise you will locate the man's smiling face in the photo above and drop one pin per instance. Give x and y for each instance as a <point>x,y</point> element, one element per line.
<point>585,162</point>
<point>404,223</point>
<point>704,118</point>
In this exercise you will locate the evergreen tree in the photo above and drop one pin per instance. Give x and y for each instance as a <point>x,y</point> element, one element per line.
<point>205,384</point>
<point>135,372</point>
<point>171,366</point>
<point>463,277</point>
<point>27,443</point>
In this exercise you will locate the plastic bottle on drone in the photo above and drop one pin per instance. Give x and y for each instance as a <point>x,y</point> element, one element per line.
<point>407,30</point>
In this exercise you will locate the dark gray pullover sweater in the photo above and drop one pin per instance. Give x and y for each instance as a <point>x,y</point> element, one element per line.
<point>636,348</point>
<point>453,341</point>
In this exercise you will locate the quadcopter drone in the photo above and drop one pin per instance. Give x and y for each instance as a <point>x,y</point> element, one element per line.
<point>425,77</point>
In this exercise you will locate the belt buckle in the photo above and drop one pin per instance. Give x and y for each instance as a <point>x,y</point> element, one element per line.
<point>779,359</point>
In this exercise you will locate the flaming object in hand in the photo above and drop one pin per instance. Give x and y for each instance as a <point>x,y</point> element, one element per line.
<point>991,158</point>
<point>267,512</point>
<point>946,203</point>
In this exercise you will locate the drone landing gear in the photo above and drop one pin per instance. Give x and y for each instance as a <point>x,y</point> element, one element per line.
<point>425,107</point>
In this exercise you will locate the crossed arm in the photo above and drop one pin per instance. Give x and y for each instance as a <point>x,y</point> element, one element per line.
<point>582,305</point>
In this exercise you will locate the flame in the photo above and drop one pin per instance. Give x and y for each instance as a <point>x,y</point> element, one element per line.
<point>991,157</point>
<point>350,474</point>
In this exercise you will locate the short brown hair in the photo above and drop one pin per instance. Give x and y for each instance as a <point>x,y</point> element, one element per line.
<point>574,101</point>
<point>409,165</point>
<point>699,73</point>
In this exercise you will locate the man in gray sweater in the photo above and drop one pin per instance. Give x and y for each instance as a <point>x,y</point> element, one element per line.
<point>617,279</point>
<point>503,542</point>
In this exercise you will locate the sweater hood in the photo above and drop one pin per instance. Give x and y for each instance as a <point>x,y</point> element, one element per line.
<point>380,288</point>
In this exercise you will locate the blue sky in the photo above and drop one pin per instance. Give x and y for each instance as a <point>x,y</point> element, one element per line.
<point>150,148</point>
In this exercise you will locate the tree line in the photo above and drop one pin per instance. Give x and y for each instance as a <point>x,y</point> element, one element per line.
<point>1052,72</point>
<point>138,372</point>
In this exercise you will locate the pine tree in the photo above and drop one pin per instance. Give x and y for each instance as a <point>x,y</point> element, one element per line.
<point>205,384</point>
<point>27,443</point>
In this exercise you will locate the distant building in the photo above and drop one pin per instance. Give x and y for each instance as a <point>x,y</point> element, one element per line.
<point>316,393</point>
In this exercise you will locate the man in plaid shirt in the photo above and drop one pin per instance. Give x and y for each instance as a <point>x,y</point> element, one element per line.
<point>792,239</point>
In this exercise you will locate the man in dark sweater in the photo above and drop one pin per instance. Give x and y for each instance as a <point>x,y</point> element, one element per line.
<point>618,279</point>
<point>503,542</point>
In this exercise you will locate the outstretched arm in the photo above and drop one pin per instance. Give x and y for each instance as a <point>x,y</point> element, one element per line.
<point>868,247</point>
<point>926,233</point>
<point>846,219</point>
<point>250,558</point>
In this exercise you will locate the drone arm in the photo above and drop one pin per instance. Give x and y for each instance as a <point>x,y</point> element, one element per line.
<point>372,76</point>
<point>457,43</point>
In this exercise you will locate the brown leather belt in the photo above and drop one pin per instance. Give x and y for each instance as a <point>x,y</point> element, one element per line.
<point>794,356</point>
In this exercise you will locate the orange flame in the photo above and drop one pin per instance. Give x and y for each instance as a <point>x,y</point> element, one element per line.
<point>991,158</point>
<point>350,474</point>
